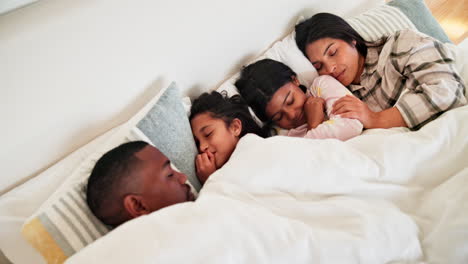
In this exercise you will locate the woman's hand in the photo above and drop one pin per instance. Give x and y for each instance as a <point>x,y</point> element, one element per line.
<point>351,107</point>
<point>314,109</point>
<point>206,165</point>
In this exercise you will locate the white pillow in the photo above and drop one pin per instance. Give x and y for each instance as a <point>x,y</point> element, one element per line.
<point>287,52</point>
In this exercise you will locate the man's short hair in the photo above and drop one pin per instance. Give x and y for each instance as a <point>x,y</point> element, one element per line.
<point>106,184</point>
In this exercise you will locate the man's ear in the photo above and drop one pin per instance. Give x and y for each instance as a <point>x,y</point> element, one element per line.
<point>236,127</point>
<point>294,80</point>
<point>135,205</point>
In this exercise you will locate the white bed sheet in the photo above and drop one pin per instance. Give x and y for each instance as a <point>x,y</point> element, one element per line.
<point>373,199</point>
<point>17,205</point>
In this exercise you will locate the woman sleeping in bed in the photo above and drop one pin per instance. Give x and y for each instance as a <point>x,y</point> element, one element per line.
<point>275,94</point>
<point>406,79</point>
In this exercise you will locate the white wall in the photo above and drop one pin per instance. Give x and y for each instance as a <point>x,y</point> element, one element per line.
<point>70,70</point>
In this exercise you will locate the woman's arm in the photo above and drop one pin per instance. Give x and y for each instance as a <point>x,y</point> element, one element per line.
<point>388,118</point>
<point>433,84</point>
<point>351,107</point>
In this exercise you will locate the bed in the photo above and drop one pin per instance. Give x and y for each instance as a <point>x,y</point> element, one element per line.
<point>384,210</point>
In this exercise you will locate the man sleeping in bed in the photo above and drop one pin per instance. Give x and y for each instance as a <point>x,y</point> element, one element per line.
<point>134,179</point>
<point>264,207</point>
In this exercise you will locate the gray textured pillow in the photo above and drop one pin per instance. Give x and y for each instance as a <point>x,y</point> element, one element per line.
<point>422,18</point>
<point>168,128</point>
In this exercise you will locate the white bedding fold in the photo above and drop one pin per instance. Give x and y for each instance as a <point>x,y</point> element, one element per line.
<point>373,199</point>
<point>222,229</point>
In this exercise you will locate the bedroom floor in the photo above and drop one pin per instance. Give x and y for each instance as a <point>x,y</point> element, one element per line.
<point>453,16</point>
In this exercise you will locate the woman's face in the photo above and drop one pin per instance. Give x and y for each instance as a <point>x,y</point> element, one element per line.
<point>286,106</point>
<point>337,58</point>
<point>215,136</point>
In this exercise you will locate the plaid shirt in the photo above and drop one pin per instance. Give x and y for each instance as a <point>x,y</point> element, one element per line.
<point>413,72</point>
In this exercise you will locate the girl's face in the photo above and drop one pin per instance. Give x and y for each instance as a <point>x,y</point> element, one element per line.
<point>285,108</point>
<point>337,58</point>
<point>214,135</point>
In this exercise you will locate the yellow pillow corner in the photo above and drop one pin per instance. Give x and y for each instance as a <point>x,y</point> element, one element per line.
<point>38,236</point>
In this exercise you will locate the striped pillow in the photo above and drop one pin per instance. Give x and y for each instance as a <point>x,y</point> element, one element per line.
<point>64,228</point>
<point>64,224</point>
<point>380,21</point>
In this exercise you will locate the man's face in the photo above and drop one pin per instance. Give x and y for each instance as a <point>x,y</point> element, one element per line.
<point>162,185</point>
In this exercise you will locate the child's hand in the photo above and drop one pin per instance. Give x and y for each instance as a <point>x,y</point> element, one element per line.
<point>314,109</point>
<point>313,101</point>
<point>205,163</point>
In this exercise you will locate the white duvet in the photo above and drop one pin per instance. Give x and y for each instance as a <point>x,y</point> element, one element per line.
<point>383,197</point>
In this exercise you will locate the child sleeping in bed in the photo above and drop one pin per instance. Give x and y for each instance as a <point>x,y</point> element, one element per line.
<point>131,180</point>
<point>218,122</point>
<point>272,89</point>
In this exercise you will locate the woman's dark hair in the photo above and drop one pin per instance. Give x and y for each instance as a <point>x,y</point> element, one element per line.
<point>219,105</point>
<point>326,25</point>
<point>260,80</point>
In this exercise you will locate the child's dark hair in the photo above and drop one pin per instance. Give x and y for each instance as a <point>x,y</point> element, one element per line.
<point>108,181</point>
<point>326,25</point>
<point>260,80</point>
<point>219,105</point>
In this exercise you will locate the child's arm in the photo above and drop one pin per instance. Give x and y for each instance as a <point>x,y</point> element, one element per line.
<point>330,90</point>
<point>336,127</point>
<point>314,110</point>
<point>205,165</point>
